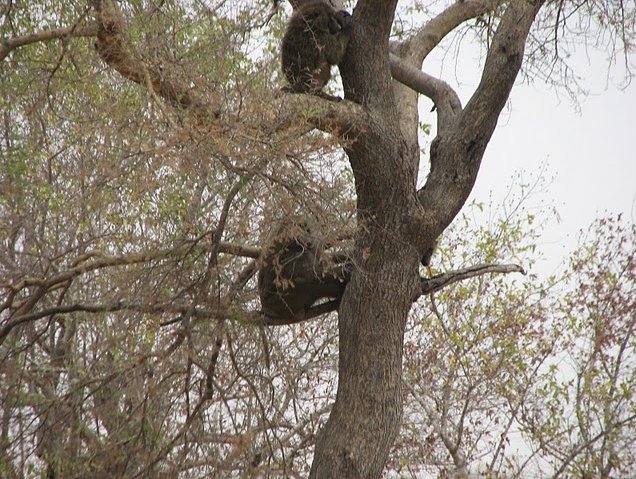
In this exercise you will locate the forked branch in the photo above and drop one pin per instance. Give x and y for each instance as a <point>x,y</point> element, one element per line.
<point>406,61</point>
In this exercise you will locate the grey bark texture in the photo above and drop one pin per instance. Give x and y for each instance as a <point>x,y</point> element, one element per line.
<point>398,222</point>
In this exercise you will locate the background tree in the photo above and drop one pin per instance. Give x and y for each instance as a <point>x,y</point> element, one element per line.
<point>146,151</point>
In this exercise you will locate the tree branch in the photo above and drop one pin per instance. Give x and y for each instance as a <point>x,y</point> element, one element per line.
<point>441,25</point>
<point>344,119</point>
<point>440,281</point>
<point>11,44</point>
<point>101,260</point>
<point>217,313</point>
<point>502,65</point>
<point>586,444</point>
<point>93,261</point>
<point>457,153</point>
<point>113,48</point>
<point>406,62</point>
<point>340,118</point>
<point>438,423</point>
<point>445,98</point>
<point>428,285</point>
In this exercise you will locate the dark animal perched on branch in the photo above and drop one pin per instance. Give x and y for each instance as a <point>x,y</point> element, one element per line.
<point>316,38</point>
<point>295,274</point>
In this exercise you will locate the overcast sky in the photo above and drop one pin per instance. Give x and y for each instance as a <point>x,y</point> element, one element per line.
<point>590,154</point>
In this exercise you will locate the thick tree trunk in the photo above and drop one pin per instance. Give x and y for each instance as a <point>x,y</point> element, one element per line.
<point>396,225</point>
<point>369,399</point>
<point>366,417</point>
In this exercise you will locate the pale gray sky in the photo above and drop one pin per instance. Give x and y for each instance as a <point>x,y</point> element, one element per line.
<point>591,154</point>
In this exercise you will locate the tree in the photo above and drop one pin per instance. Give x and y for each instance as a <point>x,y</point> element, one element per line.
<point>141,167</point>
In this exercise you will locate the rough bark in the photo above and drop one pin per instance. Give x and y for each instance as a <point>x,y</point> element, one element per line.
<point>397,228</point>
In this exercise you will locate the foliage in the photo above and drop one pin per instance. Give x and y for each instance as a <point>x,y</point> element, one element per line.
<point>126,344</point>
<point>525,379</point>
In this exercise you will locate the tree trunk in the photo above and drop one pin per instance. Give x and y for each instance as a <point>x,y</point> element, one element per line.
<point>396,225</point>
<point>367,413</point>
<point>366,417</point>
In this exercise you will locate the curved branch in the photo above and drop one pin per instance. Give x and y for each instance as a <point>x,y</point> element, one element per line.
<point>456,155</point>
<point>114,49</point>
<point>406,65</point>
<point>220,313</point>
<point>446,100</point>
<point>441,25</point>
<point>76,31</point>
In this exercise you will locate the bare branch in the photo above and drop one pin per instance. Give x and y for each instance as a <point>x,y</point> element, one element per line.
<point>254,318</point>
<point>76,31</point>
<point>439,424</point>
<point>239,250</point>
<point>502,65</point>
<point>158,308</point>
<point>99,261</point>
<point>104,261</point>
<point>438,27</point>
<point>440,281</point>
<point>445,98</point>
<point>601,435</point>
